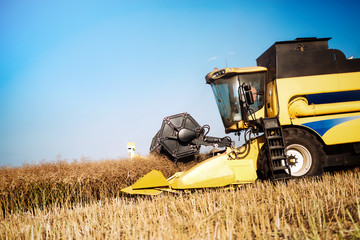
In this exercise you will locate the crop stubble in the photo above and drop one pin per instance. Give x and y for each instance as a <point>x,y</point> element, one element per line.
<point>82,200</point>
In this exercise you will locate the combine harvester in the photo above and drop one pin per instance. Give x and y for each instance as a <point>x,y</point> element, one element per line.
<point>299,110</point>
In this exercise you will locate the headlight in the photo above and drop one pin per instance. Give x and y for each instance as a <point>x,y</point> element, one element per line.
<point>218,73</point>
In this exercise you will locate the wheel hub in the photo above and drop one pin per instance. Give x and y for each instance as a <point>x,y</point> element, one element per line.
<point>300,159</point>
<point>292,160</point>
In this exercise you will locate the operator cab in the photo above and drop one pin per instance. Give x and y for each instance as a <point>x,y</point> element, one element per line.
<point>228,88</point>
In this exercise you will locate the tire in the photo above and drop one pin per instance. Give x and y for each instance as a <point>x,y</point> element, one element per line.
<point>305,151</point>
<point>263,169</point>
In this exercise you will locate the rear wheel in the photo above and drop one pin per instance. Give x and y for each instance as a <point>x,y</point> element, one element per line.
<point>304,151</point>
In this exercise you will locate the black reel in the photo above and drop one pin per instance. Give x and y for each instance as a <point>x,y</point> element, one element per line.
<point>181,137</point>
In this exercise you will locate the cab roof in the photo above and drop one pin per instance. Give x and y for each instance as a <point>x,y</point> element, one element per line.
<point>218,73</point>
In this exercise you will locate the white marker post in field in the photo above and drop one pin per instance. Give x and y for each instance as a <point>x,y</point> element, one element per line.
<point>131,149</point>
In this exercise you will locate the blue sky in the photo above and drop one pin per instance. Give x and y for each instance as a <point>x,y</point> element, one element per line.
<point>83,78</point>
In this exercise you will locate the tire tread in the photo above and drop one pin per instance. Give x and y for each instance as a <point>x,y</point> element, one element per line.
<point>292,133</point>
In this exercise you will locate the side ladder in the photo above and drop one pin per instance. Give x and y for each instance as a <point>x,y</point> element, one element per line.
<point>275,147</point>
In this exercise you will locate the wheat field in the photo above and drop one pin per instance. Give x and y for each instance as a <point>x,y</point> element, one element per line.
<point>82,200</point>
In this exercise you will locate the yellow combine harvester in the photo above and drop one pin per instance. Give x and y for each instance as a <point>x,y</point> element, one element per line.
<point>299,110</point>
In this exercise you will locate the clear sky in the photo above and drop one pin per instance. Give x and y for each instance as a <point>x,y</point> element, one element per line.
<point>83,78</point>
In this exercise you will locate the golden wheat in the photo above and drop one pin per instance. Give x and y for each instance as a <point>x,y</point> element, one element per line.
<point>64,184</point>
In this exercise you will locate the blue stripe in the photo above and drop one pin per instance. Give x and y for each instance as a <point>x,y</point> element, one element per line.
<point>321,127</point>
<point>334,97</point>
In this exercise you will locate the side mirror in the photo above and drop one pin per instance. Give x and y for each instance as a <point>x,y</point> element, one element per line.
<point>248,94</point>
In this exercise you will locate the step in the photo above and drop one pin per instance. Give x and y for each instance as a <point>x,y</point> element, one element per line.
<point>276,147</point>
<point>273,158</point>
<point>280,168</point>
<point>274,137</point>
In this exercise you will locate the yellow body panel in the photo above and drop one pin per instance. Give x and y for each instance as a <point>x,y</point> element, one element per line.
<point>228,168</point>
<point>345,132</point>
<point>148,191</point>
<point>260,113</point>
<point>244,170</point>
<point>214,172</point>
<point>151,184</point>
<point>330,120</point>
<point>298,86</point>
<point>272,107</point>
<point>152,179</point>
<point>239,125</point>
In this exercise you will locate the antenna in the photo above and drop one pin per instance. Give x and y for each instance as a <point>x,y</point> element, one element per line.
<point>226,62</point>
